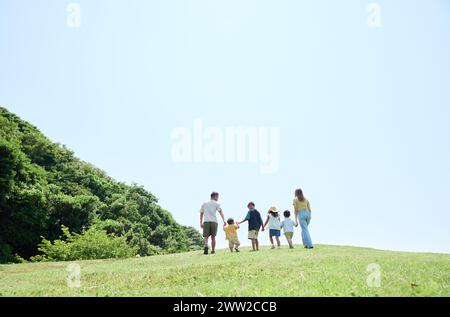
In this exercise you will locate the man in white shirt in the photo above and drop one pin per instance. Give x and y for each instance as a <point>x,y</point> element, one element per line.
<point>208,221</point>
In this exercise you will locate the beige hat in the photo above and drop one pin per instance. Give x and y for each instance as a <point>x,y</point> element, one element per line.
<point>273,209</point>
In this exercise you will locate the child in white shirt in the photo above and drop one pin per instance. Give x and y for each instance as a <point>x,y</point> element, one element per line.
<point>274,225</point>
<point>288,226</point>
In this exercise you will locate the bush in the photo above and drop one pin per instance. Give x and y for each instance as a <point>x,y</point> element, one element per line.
<point>89,245</point>
<point>19,259</point>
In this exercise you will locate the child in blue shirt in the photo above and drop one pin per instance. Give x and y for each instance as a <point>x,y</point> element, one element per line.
<point>255,222</point>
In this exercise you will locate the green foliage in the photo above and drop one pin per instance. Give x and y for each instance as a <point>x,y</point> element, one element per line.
<point>109,225</point>
<point>91,244</point>
<point>19,259</point>
<point>5,252</point>
<point>23,212</point>
<point>44,187</point>
<point>195,240</point>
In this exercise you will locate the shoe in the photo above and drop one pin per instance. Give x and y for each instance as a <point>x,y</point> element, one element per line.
<point>237,250</point>
<point>291,247</point>
<point>310,247</point>
<point>205,250</point>
<point>213,252</point>
<point>272,247</point>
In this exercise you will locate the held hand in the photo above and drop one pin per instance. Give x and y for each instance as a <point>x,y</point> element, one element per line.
<point>201,225</point>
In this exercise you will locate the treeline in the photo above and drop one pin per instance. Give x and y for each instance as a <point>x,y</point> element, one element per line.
<point>48,194</point>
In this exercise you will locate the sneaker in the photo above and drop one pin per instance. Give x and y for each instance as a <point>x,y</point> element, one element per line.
<point>291,247</point>
<point>237,250</point>
<point>272,247</point>
<point>205,250</point>
<point>213,252</point>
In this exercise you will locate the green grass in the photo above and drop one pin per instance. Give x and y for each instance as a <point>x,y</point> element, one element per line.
<point>324,271</point>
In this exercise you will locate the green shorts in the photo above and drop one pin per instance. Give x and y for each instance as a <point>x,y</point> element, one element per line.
<point>209,229</point>
<point>289,235</point>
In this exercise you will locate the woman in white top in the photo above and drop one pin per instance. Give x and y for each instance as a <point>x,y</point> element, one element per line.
<point>273,219</point>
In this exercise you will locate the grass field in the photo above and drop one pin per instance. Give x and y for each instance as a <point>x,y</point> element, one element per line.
<point>324,271</point>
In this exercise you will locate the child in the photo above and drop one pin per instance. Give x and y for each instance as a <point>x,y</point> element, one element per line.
<point>231,235</point>
<point>254,224</point>
<point>288,226</point>
<point>274,225</point>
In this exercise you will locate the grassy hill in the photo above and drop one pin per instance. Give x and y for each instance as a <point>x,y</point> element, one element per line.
<point>324,271</point>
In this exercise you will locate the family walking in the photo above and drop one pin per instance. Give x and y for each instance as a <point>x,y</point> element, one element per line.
<point>302,215</point>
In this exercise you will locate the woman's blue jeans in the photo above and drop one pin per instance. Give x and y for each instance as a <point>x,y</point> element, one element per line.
<point>304,217</point>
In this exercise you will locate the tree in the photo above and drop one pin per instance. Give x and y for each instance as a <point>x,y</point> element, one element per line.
<point>44,187</point>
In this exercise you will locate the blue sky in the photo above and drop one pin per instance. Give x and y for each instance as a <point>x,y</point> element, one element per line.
<point>363,113</point>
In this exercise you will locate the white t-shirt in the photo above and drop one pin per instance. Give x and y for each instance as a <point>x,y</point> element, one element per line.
<point>209,210</point>
<point>288,225</point>
<point>274,223</point>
